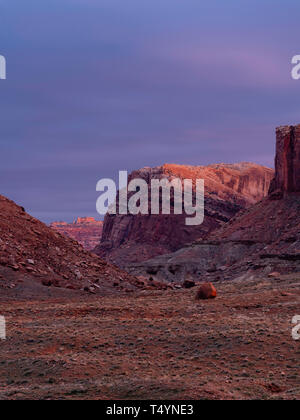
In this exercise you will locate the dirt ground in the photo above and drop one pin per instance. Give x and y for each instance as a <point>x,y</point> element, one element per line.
<point>151,345</point>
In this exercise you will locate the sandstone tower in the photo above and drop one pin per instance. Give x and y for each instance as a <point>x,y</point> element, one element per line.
<point>287,161</point>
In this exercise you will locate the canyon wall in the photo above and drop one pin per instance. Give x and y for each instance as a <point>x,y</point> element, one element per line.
<point>228,189</point>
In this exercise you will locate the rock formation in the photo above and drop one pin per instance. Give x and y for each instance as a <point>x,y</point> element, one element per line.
<point>228,189</point>
<point>287,178</point>
<point>85,230</point>
<point>30,248</point>
<point>262,238</point>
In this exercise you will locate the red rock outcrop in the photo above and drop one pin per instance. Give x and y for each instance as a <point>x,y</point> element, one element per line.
<point>29,247</point>
<point>287,161</point>
<point>228,189</point>
<point>85,230</point>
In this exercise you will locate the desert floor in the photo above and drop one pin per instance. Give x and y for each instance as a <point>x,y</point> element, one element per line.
<point>152,345</point>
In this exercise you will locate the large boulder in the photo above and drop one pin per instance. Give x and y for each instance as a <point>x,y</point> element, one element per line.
<point>206,291</point>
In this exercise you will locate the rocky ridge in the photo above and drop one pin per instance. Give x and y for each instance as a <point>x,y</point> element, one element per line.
<point>30,248</point>
<point>85,230</point>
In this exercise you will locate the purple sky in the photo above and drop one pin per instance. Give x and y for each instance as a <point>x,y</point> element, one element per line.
<point>98,86</point>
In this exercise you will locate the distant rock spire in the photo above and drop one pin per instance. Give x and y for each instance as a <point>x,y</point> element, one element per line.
<point>287,161</point>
